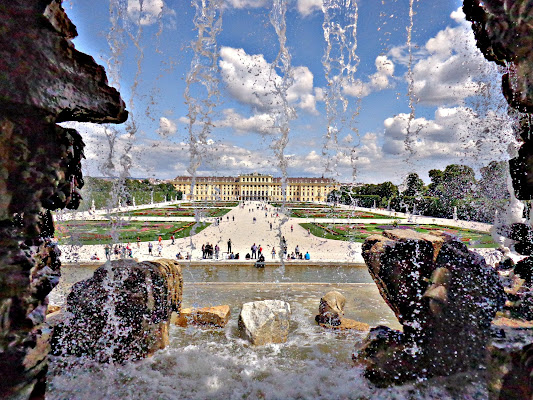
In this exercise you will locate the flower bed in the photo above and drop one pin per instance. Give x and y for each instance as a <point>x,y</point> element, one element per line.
<point>100,232</point>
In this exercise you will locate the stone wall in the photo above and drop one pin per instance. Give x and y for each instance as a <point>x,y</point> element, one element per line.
<point>44,80</point>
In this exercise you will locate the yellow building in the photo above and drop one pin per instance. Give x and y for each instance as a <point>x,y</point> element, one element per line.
<point>255,187</point>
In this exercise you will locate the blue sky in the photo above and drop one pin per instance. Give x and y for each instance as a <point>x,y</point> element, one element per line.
<point>457,112</point>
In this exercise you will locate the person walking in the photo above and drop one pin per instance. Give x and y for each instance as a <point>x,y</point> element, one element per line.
<point>172,238</point>
<point>160,239</point>
<point>233,218</point>
<point>292,228</point>
<point>229,245</point>
<point>271,226</point>
<point>138,242</point>
<point>159,249</point>
<point>150,246</point>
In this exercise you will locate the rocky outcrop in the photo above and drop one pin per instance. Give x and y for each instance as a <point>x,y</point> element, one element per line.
<point>44,81</point>
<point>439,292</point>
<point>264,322</point>
<point>121,313</point>
<point>217,316</point>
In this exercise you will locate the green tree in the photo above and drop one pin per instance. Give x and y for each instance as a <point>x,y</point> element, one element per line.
<point>414,186</point>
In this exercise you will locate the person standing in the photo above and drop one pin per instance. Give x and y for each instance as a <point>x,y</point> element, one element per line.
<point>273,252</point>
<point>203,251</point>
<point>260,251</point>
<point>217,250</point>
<point>150,246</point>
<point>229,245</point>
<point>271,226</point>
<point>160,240</point>
<point>292,228</point>
<point>138,242</point>
<point>254,251</point>
<point>107,252</point>
<point>297,251</point>
<point>172,238</point>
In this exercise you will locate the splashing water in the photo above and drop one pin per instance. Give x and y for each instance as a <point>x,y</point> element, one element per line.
<point>340,63</point>
<point>201,93</point>
<point>283,114</point>
<point>410,137</point>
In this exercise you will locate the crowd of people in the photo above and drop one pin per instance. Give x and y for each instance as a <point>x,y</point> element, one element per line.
<point>260,213</point>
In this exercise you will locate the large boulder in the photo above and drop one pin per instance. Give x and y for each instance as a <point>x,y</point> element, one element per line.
<point>122,312</point>
<point>267,321</point>
<point>440,291</point>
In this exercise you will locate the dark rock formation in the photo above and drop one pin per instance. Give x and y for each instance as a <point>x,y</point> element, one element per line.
<point>444,296</point>
<point>121,313</point>
<point>44,80</point>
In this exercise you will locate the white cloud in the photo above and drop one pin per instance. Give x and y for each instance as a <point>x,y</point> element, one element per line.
<point>166,127</point>
<point>251,80</point>
<point>152,10</point>
<point>380,80</point>
<point>306,7</point>
<point>449,68</point>
<point>454,133</point>
<point>247,3</point>
<point>258,123</point>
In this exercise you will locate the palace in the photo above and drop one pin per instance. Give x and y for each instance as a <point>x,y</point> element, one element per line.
<point>255,187</point>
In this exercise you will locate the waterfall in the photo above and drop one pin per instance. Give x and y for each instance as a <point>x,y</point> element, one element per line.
<point>340,63</point>
<point>410,137</point>
<point>282,115</point>
<point>201,92</point>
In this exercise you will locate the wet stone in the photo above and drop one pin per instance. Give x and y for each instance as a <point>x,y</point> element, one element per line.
<point>440,291</point>
<point>122,312</point>
<point>264,322</point>
<point>217,316</point>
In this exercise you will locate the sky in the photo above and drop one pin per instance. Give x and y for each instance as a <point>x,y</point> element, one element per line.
<point>375,108</point>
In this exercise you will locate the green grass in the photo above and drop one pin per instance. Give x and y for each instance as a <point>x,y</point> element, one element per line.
<point>335,213</point>
<point>100,232</point>
<point>175,212</point>
<point>200,204</point>
<point>359,232</point>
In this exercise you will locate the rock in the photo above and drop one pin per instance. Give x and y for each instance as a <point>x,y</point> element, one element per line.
<point>122,312</point>
<point>215,316</point>
<point>45,80</point>
<point>263,322</point>
<point>331,308</point>
<point>439,291</point>
<point>52,309</point>
<point>509,365</point>
<point>347,324</point>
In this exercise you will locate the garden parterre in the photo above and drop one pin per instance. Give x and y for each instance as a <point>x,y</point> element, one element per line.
<point>102,232</point>
<point>359,232</point>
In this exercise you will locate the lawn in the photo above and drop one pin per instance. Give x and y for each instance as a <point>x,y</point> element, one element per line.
<point>101,232</point>
<point>200,204</point>
<point>335,213</point>
<point>359,232</point>
<point>299,204</point>
<point>176,212</point>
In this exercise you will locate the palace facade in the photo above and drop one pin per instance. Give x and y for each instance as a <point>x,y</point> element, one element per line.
<point>255,187</point>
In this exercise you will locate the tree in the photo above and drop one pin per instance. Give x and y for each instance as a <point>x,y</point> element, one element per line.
<point>414,185</point>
